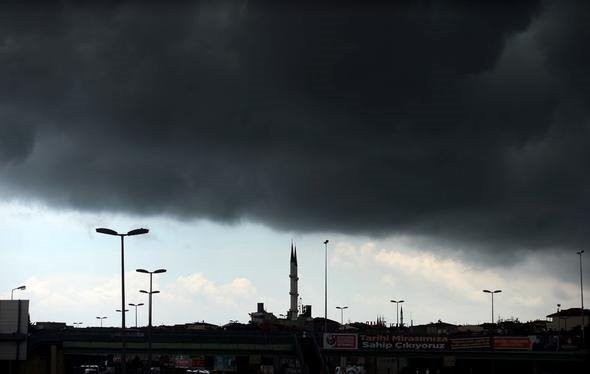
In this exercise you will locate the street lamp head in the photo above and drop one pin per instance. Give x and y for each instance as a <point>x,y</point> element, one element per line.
<point>22,288</point>
<point>159,271</point>
<point>580,252</point>
<point>155,291</point>
<point>143,291</point>
<point>142,271</point>
<point>497,291</point>
<point>103,230</point>
<point>487,291</point>
<point>327,241</point>
<point>138,232</point>
<point>140,304</point>
<point>401,301</point>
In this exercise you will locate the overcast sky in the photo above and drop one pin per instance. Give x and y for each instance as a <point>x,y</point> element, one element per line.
<point>442,147</point>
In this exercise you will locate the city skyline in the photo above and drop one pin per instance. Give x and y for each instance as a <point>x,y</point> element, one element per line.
<point>217,294</point>
<point>442,149</point>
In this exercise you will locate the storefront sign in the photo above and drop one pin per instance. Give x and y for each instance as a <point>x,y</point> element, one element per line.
<point>182,362</point>
<point>198,361</point>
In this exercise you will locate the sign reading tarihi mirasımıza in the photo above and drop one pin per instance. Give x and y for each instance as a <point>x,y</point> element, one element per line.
<point>402,343</point>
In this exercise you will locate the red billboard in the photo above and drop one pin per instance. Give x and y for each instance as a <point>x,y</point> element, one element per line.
<point>471,343</point>
<point>522,343</point>
<point>340,341</point>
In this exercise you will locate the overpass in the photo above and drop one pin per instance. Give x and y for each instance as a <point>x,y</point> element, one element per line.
<point>61,351</point>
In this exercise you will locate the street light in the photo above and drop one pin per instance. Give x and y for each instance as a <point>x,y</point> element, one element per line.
<point>150,293</point>
<point>326,286</point>
<point>582,296</point>
<point>77,323</point>
<point>136,305</point>
<point>397,302</point>
<point>21,288</point>
<point>105,231</point>
<point>342,313</point>
<point>492,293</point>
<point>101,318</point>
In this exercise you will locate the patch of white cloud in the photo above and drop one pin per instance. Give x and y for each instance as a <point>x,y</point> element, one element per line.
<point>222,294</point>
<point>452,288</point>
<point>75,297</point>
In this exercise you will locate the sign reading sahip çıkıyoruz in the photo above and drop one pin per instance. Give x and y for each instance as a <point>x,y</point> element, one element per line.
<point>340,341</point>
<point>402,343</point>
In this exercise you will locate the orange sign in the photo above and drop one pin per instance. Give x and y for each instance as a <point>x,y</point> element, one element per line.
<point>511,342</point>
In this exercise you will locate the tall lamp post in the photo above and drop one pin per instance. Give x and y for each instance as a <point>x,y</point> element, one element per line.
<point>105,231</point>
<point>342,313</point>
<point>20,288</point>
<point>492,293</point>
<point>101,318</point>
<point>150,293</point>
<point>582,296</point>
<point>397,302</point>
<point>135,305</point>
<point>326,286</point>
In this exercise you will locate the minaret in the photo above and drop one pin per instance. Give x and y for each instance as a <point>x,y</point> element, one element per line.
<point>292,314</point>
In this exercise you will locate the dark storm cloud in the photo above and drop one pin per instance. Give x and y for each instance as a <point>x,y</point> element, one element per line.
<point>420,117</point>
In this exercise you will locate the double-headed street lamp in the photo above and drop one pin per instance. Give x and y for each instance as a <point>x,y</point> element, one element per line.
<point>122,236</point>
<point>150,293</point>
<point>397,302</point>
<point>342,313</point>
<point>136,305</point>
<point>101,318</point>
<point>492,293</point>
<point>20,288</point>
